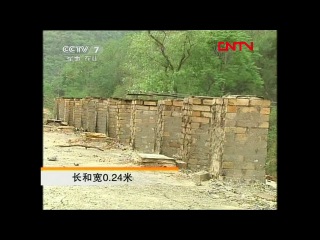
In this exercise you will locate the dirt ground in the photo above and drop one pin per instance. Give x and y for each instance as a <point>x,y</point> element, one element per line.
<point>165,190</point>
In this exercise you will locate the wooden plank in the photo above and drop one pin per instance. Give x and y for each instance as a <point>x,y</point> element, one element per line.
<point>95,135</point>
<point>154,156</point>
<point>156,161</point>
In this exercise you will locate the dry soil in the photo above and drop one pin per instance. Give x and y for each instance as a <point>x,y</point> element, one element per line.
<point>165,190</point>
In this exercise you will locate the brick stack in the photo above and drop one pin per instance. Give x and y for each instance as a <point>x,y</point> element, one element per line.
<point>60,110</point>
<point>71,112</point>
<point>77,112</point>
<point>66,110</point>
<point>112,117</point>
<point>171,126</point>
<point>102,110</point>
<point>123,121</point>
<point>92,115</point>
<point>145,124</point>
<point>84,114</point>
<point>217,135</point>
<point>197,122</point>
<point>246,132</point>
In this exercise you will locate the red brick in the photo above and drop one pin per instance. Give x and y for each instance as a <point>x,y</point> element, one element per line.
<point>260,102</point>
<point>177,103</point>
<point>227,165</point>
<point>248,109</point>
<point>208,101</point>
<point>230,123</point>
<point>195,101</point>
<point>150,103</point>
<point>265,111</point>
<point>176,114</point>
<point>219,101</point>
<point>153,108</point>
<point>174,144</point>
<point>232,109</point>
<point>230,129</point>
<point>248,166</point>
<point>201,108</point>
<point>241,137</point>
<point>167,113</point>
<point>142,107</point>
<point>241,130</point>
<point>200,119</point>
<point>196,113</point>
<point>195,125</point>
<point>206,114</point>
<point>264,125</point>
<point>239,102</point>
<point>230,115</point>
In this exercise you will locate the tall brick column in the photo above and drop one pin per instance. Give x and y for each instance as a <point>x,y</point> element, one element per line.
<point>246,133</point>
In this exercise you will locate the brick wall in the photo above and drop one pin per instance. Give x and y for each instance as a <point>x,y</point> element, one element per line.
<point>226,136</point>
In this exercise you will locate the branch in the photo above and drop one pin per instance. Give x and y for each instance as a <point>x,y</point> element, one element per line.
<point>162,49</point>
<point>210,83</point>
<point>80,145</point>
<point>184,56</point>
<point>165,65</point>
<point>164,38</point>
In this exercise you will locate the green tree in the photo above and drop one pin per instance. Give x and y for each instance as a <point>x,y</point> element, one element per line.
<point>99,78</point>
<point>266,43</point>
<point>56,79</point>
<point>188,62</point>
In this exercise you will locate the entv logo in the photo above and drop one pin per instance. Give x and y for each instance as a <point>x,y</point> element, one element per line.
<point>233,46</point>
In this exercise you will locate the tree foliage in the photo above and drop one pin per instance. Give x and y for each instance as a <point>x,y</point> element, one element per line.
<point>161,61</point>
<point>61,77</point>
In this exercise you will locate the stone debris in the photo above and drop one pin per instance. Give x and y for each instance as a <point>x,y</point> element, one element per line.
<point>249,195</point>
<point>54,158</point>
<point>200,177</point>
<point>181,164</point>
<point>58,128</point>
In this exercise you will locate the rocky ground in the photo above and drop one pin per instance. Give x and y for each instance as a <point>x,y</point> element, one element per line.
<point>163,190</point>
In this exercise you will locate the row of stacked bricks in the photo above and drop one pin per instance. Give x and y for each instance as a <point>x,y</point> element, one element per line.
<point>246,132</point>
<point>66,114</point>
<point>123,121</point>
<point>144,124</point>
<point>60,109</point>
<point>69,111</point>
<point>84,114</point>
<point>198,117</point>
<point>64,110</point>
<point>91,115</point>
<point>77,111</point>
<point>102,110</point>
<point>171,131</point>
<point>112,117</point>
